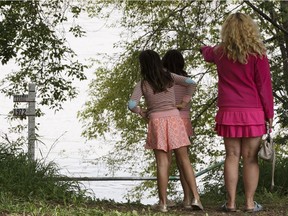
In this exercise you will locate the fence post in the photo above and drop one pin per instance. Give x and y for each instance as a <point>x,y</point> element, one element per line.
<point>30,112</point>
<point>31,121</point>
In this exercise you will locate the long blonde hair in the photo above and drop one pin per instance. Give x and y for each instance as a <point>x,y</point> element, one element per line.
<point>241,37</point>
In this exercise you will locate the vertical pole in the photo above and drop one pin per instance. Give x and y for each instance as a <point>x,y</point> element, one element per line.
<point>31,121</point>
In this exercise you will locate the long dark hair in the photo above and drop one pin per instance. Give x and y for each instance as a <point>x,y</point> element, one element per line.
<point>173,61</point>
<point>153,72</point>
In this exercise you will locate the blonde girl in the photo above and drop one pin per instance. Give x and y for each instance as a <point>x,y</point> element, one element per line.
<point>245,103</point>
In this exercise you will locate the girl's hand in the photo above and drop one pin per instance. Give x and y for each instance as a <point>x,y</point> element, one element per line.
<point>270,122</point>
<point>181,106</point>
<point>143,113</point>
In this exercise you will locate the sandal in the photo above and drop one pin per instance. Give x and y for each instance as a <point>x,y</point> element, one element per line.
<point>197,205</point>
<point>257,208</point>
<point>170,203</point>
<point>159,207</point>
<point>187,205</point>
<point>226,209</point>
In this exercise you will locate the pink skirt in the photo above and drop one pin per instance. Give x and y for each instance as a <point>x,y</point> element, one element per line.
<point>240,122</point>
<point>166,132</point>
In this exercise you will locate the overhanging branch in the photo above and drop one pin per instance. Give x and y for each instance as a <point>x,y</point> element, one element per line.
<point>266,17</point>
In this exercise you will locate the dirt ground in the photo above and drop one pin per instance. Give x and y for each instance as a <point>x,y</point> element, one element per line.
<point>270,209</point>
<point>214,211</point>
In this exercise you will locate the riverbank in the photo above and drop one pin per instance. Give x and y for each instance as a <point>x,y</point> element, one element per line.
<point>273,206</point>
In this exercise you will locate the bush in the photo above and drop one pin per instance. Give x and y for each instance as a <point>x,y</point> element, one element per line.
<point>281,176</point>
<point>216,190</point>
<point>28,179</point>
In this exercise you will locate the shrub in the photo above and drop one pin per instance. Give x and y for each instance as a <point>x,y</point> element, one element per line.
<point>216,190</point>
<point>28,179</point>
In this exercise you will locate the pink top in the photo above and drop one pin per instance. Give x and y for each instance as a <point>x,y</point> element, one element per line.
<point>242,85</point>
<point>162,101</point>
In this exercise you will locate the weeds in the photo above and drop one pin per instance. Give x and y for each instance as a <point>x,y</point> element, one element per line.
<point>215,189</point>
<point>34,180</point>
<point>30,188</point>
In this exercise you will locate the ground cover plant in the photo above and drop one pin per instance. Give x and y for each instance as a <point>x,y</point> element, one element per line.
<point>29,188</point>
<point>29,180</point>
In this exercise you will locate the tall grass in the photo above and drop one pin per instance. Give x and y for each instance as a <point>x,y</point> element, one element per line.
<point>31,188</point>
<point>281,176</point>
<point>34,180</point>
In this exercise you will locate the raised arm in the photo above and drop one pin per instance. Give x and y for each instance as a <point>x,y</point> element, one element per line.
<point>208,53</point>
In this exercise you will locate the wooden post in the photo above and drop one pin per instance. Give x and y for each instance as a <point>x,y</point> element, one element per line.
<point>30,112</point>
<point>31,121</point>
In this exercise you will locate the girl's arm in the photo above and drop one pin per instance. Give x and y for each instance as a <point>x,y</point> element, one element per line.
<point>190,88</point>
<point>264,86</point>
<point>134,100</point>
<point>208,53</point>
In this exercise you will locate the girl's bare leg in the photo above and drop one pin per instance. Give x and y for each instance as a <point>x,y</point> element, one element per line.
<point>231,168</point>
<point>250,147</point>
<point>185,165</point>
<point>162,160</point>
<point>187,199</point>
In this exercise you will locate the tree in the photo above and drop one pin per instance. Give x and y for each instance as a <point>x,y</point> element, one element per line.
<point>31,39</point>
<point>185,25</point>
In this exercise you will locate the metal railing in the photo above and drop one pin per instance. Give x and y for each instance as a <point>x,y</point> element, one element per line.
<point>132,178</point>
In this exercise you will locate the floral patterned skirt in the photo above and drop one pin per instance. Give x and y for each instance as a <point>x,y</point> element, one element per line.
<point>188,126</point>
<point>166,133</point>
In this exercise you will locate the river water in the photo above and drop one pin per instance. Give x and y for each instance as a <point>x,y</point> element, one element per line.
<point>60,133</point>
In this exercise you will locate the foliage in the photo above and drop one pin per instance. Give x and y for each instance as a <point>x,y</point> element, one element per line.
<point>29,188</point>
<point>281,170</point>
<point>13,206</point>
<point>32,180</point>
<point>9,205</point>
<point>215,188</point>
<point>182,25</point>
<point>32,41</point>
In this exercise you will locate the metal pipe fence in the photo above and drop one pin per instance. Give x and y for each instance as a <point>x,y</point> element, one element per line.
<point>133,178</point>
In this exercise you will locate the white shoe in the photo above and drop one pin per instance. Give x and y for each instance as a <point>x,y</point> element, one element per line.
<point>197,205</point>
<point>187,205</point>
<point>170,203</point>
<point>158,207</point>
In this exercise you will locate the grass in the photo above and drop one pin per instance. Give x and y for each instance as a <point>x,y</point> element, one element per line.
<point>29,188</point>
<point>13,206</point>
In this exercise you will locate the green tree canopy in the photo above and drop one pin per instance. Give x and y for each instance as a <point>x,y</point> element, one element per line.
<point>32,39</point>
